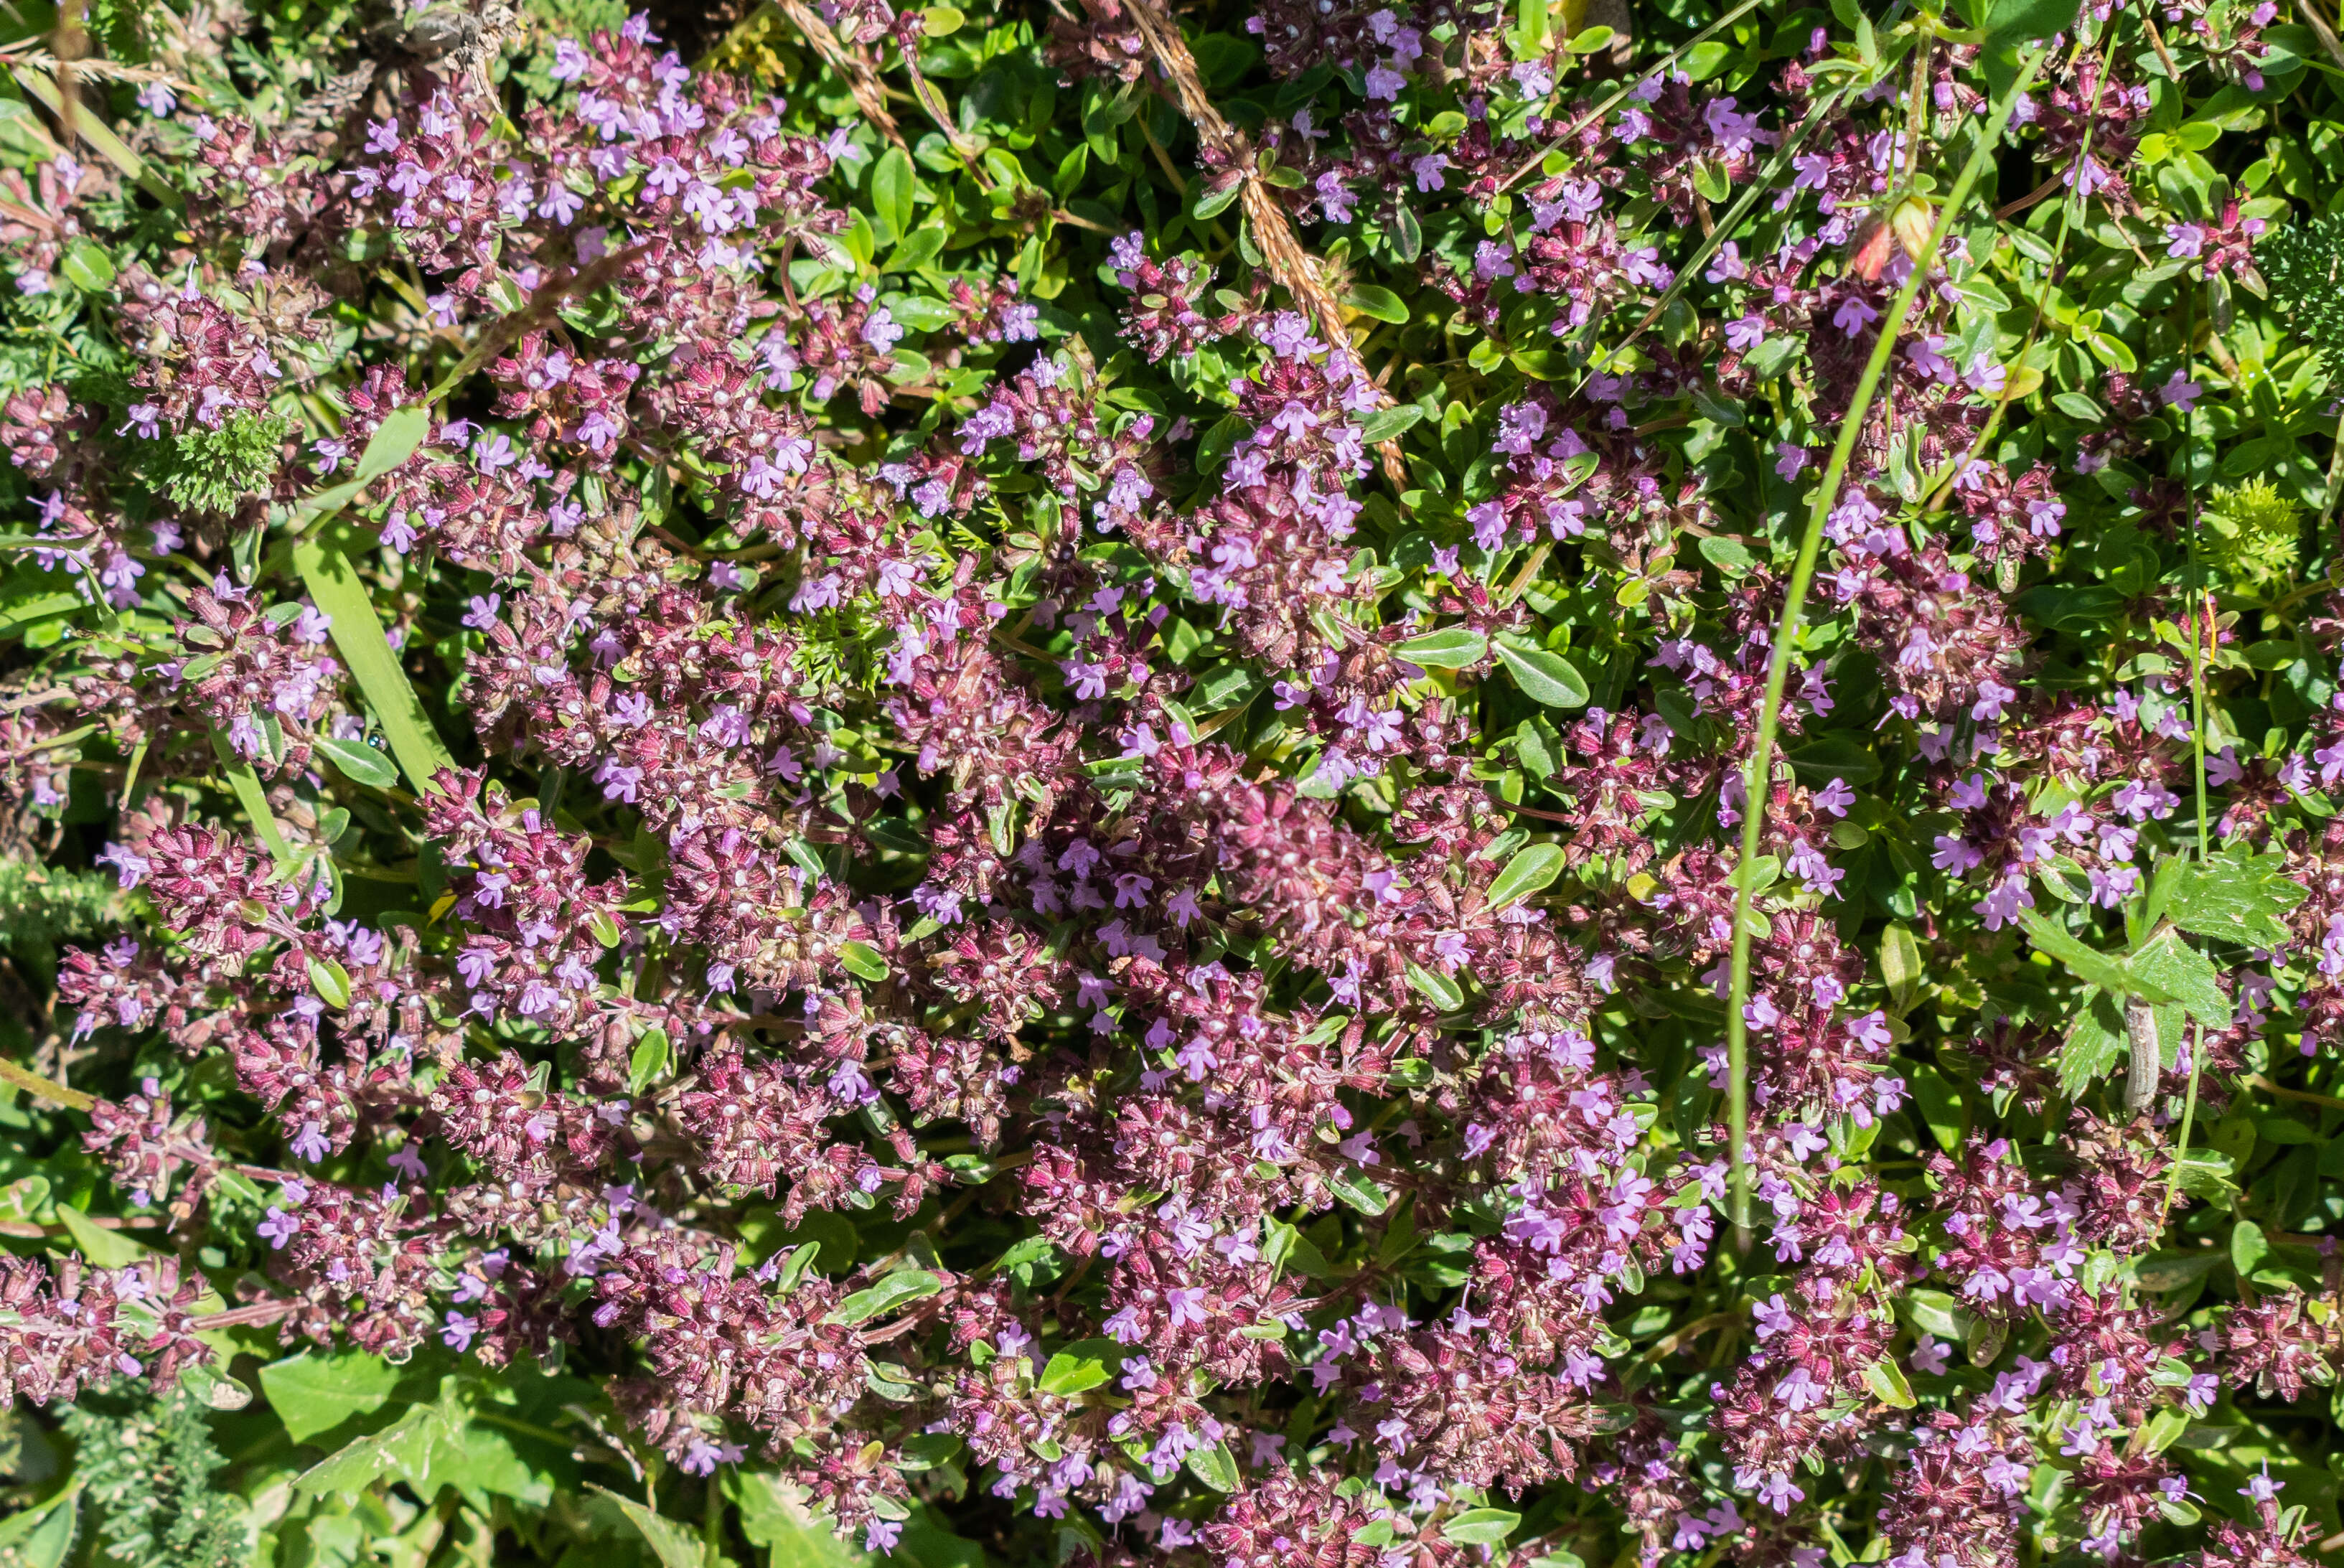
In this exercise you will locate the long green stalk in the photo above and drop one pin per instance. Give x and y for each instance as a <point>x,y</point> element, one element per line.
<point>1759,780</point>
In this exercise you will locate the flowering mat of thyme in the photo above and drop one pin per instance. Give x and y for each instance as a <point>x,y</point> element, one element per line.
<point>1361,785</point>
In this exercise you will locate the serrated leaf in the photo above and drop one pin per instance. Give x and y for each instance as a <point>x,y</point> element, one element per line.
<point>2236,897</point>
<point>674,1545</point>
<point>895,1291</point>
<point>402,1448</point>
<point>1533,867</point>
<point>1480,1526</point>
<point>1081,1366</point>
<point>1544,676</point>
<point>2095,1043</point>
<point>2086,963</point>
<point>2180,973</point>
<point>358,762</point>
<point>1450,648</point>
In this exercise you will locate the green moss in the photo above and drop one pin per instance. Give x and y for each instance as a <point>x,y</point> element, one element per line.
<point>2254,534</point>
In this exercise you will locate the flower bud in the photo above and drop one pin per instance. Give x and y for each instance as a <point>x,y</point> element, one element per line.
<point>1910,223</point>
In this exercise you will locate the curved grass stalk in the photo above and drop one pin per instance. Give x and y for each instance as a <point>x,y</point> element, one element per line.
<point>1758,781</point>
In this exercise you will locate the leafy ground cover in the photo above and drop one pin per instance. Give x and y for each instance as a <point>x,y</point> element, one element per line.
<point>1381,786</point>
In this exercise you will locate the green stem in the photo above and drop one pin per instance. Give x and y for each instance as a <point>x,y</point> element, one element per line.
<point>2198,636</point>
<point>1759,779</point>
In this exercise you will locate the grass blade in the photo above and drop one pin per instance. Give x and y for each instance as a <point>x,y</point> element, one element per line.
<point>359,636</point>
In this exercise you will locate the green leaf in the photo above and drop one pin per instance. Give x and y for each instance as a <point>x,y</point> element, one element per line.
<point>1941,1105</point>
<point>358,637</point>
<point>104,1248</point>
<point>331,982</point>
<point>1215,1466</point>
<point>906,1285</point>
<point>358,762</point>
<point>2207,1173</point>
<point>2236,897</point>
<point>87,266</point>
<point>1935,1313</point>
<point>2178,972</point>
<point>862,961</point>
<point>2248,1247</point>
<point>1543,676</point>
<point>2014,20</point>
<point>1358,1192</point>
<point>650,1059</point>
<point>1385,424</point>
<point>393,442</point>
<point>1371,300</point>
<point>1900,965</point>
<point>1435,987</point>
<point>674,1545</point>
<point>1209,202</point>
<point>315,1391</point>
<point>1533,867</point>
<point>1480,1526</point>
<point>1887,1380</point>
<point>774,1515</point>
<point>2163,1429</point>
<point>2096,1043</point>
<point>1081,1366</point>
<point>401,1450</point>
<point>2173,1269</point>
<point>894,185</point>
<point>1450,648</point>
<point>2086,964</point>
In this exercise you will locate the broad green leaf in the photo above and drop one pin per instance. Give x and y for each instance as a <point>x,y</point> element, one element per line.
<point>358,762</point>
<point>401,1450</point>
<point>254,801</point>
<point>1084,1365</point>
<point>1450,648</point>
<point>774,1515</point>
<point>1900,965</point>
<point>2178,972</point>
<point>1543,676</point>
<point>2096,1043</point>
<point>673,1544</point>
<point>2236,897</point>
<point>2173,1269</point>
<point>1480,1526</point>
<point>895,1291</point>
<point>2248,1247</point>
<point>41,1536</point>
<point>1533,867</point>
<point>315,1391</point>
<point>359,636</point>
